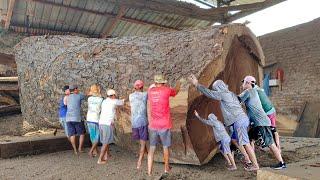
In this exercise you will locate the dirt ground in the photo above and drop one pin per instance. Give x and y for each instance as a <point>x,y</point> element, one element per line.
<point>64,165</point>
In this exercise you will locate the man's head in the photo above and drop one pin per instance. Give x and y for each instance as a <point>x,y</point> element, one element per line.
<point>220,86</point>
<point>248,82</point>
<point>212,117</point>
<point>160,80</point>
<point>66,90</point>
<point>111,94</point>
<point>73,88</point>
<point>138,85</point>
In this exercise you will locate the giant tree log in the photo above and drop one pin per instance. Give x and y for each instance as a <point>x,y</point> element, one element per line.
<point>230,52</point>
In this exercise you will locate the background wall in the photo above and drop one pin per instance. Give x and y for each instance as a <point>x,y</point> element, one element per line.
<point>297,51</point>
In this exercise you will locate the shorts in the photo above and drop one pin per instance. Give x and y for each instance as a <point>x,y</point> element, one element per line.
<point>140,133</point>
<point>75,128</point>
<point>93,129</point>
<point>63,123</point>
<point>262,136</point>
<point>163,136</point>
<point>225,146</point>
<point>273,119</point>
<point>106,134</point>
<point>240,131</point>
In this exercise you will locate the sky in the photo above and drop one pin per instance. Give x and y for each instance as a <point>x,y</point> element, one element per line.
<point>280,16</point>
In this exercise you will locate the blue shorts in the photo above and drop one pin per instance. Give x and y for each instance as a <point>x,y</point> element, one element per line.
<point>160,136</point>
<point>240,131</point>
<point>63,123</point>
<point>106,134</point>
<point>140,133</point>
<point>76,128</point>
<point>225,146</point>
<point>93,129</point>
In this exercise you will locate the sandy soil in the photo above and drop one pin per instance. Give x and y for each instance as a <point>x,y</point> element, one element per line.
<point>64,165</point>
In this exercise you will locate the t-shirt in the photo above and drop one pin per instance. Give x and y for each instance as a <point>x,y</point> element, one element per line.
<point>265,101</point>
<point>254,108</point>
<point>108,110</point>
<point>74,107</point>
<point>159,107</point>
<point>62,109</point>
<point>138,103</point>
<point>94,108</point>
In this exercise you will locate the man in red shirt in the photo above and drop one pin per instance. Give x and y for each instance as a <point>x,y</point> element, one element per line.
<point>160,121</point>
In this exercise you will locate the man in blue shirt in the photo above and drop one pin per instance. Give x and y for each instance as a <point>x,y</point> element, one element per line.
<point>260,131</point>
<point>63,110</point>
<point>73,118</point>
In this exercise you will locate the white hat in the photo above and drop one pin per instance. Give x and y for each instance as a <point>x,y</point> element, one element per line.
<point>111,92</point>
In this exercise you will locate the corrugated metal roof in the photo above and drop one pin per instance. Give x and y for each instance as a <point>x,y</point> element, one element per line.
<point>96,18</point>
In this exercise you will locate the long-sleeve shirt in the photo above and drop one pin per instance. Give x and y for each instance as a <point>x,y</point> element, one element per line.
<point>219,131</point>
<point>229,104</point>
<point>254,108</point>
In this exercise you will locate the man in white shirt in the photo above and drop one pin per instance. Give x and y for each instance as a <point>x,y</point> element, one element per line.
<point>106,121</point>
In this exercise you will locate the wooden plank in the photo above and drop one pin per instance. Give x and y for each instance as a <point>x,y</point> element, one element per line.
<point>8,79</point>
<point>109,29</point>
<point>9,14</point>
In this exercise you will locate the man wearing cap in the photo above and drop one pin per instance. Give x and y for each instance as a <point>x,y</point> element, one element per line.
<point>260,131</point>
<point>139,120</point>
<point>268,108</point>
<point>63,110</point>
<point>73,118</point>
<point>106,123</point>
<point>160,121</point>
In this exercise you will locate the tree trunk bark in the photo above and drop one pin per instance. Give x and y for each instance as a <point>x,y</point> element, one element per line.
<point>229,52</point>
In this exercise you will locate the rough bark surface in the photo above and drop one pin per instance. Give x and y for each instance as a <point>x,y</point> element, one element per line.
<point>46,63</point>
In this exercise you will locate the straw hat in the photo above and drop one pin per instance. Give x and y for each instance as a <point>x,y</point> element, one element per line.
<point>95,90</point>
<point>160,79</point>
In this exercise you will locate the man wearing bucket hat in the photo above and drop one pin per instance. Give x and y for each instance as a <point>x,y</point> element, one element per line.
<point>106,123</point>
<point>73,118</point>
<point>139,120</point>
<point>260,131</point>
<point>160,121</point>
<point>93,115</point>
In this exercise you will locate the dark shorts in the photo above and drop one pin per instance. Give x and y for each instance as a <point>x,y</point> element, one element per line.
<point>262,136</point>
<point>160,136</point>
<point>140,133</point>
<point>76,128</point>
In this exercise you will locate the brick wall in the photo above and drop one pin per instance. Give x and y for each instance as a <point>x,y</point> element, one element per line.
<point>297,51</point>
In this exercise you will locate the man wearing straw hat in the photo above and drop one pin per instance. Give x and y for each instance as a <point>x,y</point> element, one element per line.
<point>93,115</point>
<point>160,121</point>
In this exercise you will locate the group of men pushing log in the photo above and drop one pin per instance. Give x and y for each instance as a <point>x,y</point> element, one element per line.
<point>151,121</point>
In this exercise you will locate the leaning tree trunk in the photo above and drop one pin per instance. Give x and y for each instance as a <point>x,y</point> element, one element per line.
<point>46,63</point>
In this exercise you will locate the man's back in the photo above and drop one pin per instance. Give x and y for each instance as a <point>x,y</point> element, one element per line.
<point>138,103</point>
<point>159,107</point>
<point>74,107</point>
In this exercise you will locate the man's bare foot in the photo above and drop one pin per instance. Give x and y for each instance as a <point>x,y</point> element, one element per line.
<point>232,168</point>
<point>75,152</point>
<point>138,165</point>
<point>80,151</point>
<point>167,170</point>
<point>252,168</point>
<point>101,162</point>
